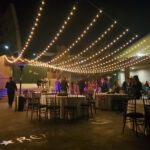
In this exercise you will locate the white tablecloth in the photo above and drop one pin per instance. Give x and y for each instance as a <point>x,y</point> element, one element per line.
<point>104,100</point>
<point>62,100</point>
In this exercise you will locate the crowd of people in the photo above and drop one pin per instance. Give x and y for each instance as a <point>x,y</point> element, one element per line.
<point>82,86</point>
<point>131,86</point>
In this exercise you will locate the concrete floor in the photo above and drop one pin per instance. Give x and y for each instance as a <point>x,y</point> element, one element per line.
<point>103,132</point>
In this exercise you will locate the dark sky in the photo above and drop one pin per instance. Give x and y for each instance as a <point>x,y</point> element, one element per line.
<point>134,14</point>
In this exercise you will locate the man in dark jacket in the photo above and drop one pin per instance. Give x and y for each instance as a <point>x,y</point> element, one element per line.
<point>11,88</point>
<point>81,84</point>
<point>64,85</point>
<point>136,87</point>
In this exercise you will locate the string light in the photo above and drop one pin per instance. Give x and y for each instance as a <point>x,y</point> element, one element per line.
<point>114,67</point>
<point>60,31</point>
<point>80,67</point>
<point>30,36</point>
<point>114,64</point>
<point>146,48</point>
<point>85,31</point>
<point>127,64</point>
<point>119,60</point>
<point>114,52</point>
<point>91,44</point>
<point>101,50</point>
<point>131,62</point>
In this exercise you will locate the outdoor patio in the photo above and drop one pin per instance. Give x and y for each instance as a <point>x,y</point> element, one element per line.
<point>104,131</point>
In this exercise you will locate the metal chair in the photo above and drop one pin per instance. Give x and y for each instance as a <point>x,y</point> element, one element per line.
<point>88,107</point>
<point>146,102</point>
<point>131,115</point>
<point>52,106</point>
<point>36,106</point>
<point>70,108</point>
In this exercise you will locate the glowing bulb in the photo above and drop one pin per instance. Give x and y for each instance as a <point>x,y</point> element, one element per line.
<point>101,11</point>
<point>43,2</point>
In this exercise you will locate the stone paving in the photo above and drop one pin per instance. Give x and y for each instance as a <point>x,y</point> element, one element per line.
<point>103,132</point>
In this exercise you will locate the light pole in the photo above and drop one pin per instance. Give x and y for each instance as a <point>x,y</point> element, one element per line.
<point>21,67</point>
<point>21,99</point>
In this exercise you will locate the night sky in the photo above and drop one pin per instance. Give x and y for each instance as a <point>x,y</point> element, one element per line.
<point>133,14</point>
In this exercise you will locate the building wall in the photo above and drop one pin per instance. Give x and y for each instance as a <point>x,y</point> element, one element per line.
<point>5,72</point>
<point>143,74</point>
<point>121,77</point>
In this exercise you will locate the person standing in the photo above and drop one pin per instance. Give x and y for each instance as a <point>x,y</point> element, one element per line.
<point>11,88</point>
<point>81,85</point>
<point>126,86</point>
<point>57,86</point>
<point>104,85</point>
<point>64,85</point>
<point>116,87</point>
<point>136,87</point>
<point>72,88</point>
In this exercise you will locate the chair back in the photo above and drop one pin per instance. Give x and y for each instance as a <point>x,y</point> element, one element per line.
<point>146,102</point>
<point>129,105</point>
<point>51,99</point>
<point>25,93</point>
<point>36,96</point>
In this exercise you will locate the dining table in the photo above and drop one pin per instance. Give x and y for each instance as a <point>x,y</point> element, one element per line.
<point>110,101</point>
<point>63,101</point>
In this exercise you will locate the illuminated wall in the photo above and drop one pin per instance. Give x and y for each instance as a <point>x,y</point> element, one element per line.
<point>144,74</point>
<point>5,72</point>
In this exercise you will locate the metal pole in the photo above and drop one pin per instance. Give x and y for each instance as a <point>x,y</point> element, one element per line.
<point>21,70</point>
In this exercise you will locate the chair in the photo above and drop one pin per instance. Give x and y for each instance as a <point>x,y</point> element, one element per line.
<point>88,106</point>
<point>70,108</point>
<point>92,105</point>
<point>146,102</point>
<point>36,106</point>
<point>28,105</point>
<point>117,102</point>
<point>52,106</point>
<point>131,115</point>
<point>103,103</point>
<point>85,109</point>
